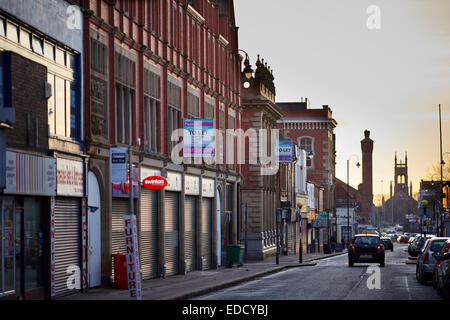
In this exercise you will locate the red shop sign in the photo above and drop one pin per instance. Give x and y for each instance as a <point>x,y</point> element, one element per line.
<point>154,183</point>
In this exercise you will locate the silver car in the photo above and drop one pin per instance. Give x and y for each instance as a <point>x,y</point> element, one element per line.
<point>427,258</point>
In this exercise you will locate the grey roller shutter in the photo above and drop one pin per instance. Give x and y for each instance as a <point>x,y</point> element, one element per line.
<point>148,221</point>
<point>171,250</point>
<point>120,208</point>
<point>207,232</point>
<point>67,242</point>
<point>190,234</point>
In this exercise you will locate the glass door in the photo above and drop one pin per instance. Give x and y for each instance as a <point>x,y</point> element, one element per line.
<point>8,248</point>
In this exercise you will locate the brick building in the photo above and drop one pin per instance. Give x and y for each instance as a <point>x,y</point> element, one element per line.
<point>313,130</point>
<point>158,63</point>
<point>44,199</point>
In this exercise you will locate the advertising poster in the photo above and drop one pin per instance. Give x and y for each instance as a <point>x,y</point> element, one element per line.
<point>198,138</point>
<point>285,150</point>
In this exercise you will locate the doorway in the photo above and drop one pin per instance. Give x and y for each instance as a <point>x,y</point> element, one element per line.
<point>219,232</point>
<point>94,232</point>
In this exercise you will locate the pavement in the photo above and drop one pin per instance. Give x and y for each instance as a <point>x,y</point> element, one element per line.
<point>196,283</point>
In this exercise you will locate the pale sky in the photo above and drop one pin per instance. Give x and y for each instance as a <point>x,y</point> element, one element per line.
<point>389,81</point>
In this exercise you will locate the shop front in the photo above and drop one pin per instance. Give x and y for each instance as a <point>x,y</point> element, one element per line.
<point>25,226</point>
<point>69,229</point>
<point>148,227</point>
<point>208,192</point>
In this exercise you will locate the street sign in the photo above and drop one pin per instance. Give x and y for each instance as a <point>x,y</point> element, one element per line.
<point>132,256</point>
<point>119,172</point>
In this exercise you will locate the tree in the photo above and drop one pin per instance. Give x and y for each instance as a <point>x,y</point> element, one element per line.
<point>434,173</point>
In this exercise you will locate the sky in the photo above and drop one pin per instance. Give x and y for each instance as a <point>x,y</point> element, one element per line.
<point>389,81</point>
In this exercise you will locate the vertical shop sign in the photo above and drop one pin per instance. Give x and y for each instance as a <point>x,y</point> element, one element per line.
<point>83,245</point>
<point>52,246</point>
<point>132,252</point>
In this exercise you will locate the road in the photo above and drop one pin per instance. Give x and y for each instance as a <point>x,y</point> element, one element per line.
<point>332,279</point>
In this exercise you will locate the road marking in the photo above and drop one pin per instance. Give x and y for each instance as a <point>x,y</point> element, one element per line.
<point>356,285</point>
<point>407,288</point>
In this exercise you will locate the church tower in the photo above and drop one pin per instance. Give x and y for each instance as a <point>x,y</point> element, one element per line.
<point>401,176</point>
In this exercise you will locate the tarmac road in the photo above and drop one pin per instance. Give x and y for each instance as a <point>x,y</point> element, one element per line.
<point>332,279</point>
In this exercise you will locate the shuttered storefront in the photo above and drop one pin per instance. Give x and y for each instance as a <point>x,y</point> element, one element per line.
<point>67,242</point>
<point>190,234</point>
<point>148,234</point>
<point>171,233</point>
<point>207,232</point>
<point>120,208</point>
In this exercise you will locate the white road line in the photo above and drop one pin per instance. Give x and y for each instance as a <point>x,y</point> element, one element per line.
<point>407,288</point>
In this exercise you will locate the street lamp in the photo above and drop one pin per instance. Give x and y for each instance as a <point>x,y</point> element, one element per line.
<point>348,199</point>
<point>424,205</point>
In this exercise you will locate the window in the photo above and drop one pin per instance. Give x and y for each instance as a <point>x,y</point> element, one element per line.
<point>307,145</point>
<point>25,38</point>
<point>38,45</point>
<point>12,32</point>
<point>193,109</point>
<point>151,106</point>
<point>209,110</point>
<point>98,56</point>
<point>221,148</point>
<point>124,97</point>
<point>174,112</point>
<point>2,27</point>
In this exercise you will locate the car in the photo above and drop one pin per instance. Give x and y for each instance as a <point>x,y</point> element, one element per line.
<point>418,244</point>
<point>366,248</point>
<point>440,267</point>
<point>403,239</point>
<point>444,286</point>
<point>427,258</point>
<point>387,243</point>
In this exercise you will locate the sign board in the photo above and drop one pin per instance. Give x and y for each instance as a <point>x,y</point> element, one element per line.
<point>122,190</point>
<point>69,178</point>
<point>322,216</point>
<point>284,150</point>
<point>208,188</point>
<point>132,253</point>
<point>319,223</point>
<point>191,185</point>
<point>30,175</point>
<point>198,138</point>
<point>118,162</point>
<point>52,247</point>
<point>148,172</point>
<point>173,181</point>
<point>154,183</point>
<point>84,244</point>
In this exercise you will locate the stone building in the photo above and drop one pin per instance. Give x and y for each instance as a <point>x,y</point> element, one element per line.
<point>401,202</point>
<point>261,187</point>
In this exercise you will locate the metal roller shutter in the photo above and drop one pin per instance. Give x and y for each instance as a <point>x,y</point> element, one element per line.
<point>149,233</point>
<point>171,251</point>
<point>190,234</point>
<point>120,208</point>
<point>67,241</point>
<point>207,232</point>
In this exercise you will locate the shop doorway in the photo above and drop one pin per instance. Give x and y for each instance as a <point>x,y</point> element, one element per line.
<point>219,232</point>
<point>94,232</point>
<point>7,249</point>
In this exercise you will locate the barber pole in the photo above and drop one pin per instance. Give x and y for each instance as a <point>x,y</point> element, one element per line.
<point>132,252</point>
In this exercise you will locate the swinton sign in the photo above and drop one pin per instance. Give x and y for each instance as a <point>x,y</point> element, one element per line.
<point>154,183</point>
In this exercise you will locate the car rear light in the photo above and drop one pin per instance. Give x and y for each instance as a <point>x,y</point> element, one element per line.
<point>352,247</point>
<point>379,247</point>
<point>427,256</point>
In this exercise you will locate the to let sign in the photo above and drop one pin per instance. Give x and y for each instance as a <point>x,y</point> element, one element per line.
<point>132,252</point>
<point>154,183</point>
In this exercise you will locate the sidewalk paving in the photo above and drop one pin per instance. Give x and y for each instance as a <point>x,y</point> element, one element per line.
<point>196,283</point>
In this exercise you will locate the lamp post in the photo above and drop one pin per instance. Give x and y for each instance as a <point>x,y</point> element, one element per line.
<point>442,163</point>
<point>348,198</point>
<point>424,205</point>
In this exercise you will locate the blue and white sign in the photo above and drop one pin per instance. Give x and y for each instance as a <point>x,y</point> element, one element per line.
<point>285,150</point>
<point>198,138</point>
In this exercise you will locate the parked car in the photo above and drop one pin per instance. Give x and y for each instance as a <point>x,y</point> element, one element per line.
<point>444,284</point>
<point>403,239</point>
<point>427,258</point>
<point>418,245</point>
<point>366,248</point>
<point>440,267</point>
<point>387,243</point>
